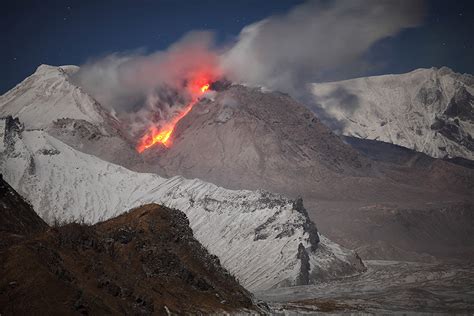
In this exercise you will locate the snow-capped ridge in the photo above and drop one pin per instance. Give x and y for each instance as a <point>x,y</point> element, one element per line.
<point>45,68</point>
<point>410,110</point>
<point>48,95</point>
<point>256,235</point>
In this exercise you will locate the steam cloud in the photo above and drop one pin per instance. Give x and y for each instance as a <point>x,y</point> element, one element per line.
<point>282,52</point>
<point>314,39</point>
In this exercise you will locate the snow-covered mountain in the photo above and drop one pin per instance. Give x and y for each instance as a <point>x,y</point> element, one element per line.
<point>428,110</point>
<point>240,137</point>
<point>265,240</point>
<point>246,138</point>
<point>49,100</point>
<point>47,95</point>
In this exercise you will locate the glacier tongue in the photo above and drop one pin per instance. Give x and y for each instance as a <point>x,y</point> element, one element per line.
<point>258,236</point>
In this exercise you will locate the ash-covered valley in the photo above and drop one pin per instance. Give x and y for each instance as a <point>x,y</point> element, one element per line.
<point>304,220</point>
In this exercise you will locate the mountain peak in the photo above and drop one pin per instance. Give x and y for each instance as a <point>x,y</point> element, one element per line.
<point>48,95</point>
<point>45,68</point>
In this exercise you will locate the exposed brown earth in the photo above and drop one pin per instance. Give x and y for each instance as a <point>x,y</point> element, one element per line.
<point>143,262</point>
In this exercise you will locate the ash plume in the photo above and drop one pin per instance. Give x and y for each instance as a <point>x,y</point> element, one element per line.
<point>313,42</point>
<point>147,89</point>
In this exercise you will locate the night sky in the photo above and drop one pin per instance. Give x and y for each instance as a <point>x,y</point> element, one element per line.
<point>71,32</point>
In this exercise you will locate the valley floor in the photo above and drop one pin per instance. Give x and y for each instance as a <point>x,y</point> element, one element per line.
<point>393,287</point>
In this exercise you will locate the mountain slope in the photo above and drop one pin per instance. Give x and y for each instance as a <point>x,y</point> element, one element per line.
<point>47,95</point>
<point>18,220</point>
<point>245,138</point>
<point>141,262</point>
<point>428,110</point>
<point>49,100</point>
<point>265,240</point>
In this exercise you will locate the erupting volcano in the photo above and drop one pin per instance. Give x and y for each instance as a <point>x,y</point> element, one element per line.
<point>162,134</point>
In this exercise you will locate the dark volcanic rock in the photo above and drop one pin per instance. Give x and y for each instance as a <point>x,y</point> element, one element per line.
<point>17,217</point>
<point>461,105</point>
<point>303,277</point>
<point>450,129</point>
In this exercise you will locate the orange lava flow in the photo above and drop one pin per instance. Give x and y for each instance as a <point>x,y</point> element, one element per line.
<point>162,135</point>
<point>205,87</point>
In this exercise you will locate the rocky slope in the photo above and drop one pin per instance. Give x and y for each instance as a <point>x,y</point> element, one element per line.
<point>428,110</point>
<point>18,220</point>
<point>244,137</point>
<point>265,240</point>
<point>142,262</point>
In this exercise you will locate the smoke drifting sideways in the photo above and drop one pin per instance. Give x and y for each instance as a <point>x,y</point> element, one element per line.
<point>316,39</point>
<point>146,91</point>
<point>283,52</point>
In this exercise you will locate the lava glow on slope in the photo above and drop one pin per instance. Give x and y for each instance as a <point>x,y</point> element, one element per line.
<point>204,88</point>
<point>162,134</point>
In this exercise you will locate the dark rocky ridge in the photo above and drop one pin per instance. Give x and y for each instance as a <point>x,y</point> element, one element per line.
<point>18,220</point>
<point>450,129</point>
<point>143,262</point>
<point>12,127</point>
<point>461,105</point>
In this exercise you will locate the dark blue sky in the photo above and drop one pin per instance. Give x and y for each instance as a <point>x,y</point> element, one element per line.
<point>69,32</point>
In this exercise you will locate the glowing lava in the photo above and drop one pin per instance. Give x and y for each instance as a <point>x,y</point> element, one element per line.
<point>162,135</point>
<point>204,88</point>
